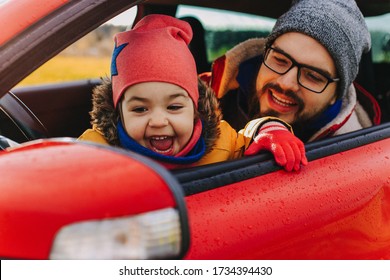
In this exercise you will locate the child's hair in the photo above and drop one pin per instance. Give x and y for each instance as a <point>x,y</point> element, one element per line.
<point>104,116</point>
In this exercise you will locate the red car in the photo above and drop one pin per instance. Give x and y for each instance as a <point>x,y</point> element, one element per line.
<point>65,199</point>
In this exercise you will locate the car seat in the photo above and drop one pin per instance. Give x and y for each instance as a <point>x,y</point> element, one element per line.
<point>197,45</point>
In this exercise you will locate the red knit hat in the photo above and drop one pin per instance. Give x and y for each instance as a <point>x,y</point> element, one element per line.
<point>156,49</point>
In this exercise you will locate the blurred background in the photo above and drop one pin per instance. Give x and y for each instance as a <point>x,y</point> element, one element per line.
<point>92,54</point>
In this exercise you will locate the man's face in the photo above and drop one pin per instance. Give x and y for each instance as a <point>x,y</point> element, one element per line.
<point>281,95</point>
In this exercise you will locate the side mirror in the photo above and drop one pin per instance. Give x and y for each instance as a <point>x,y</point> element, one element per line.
<point>63,199</point>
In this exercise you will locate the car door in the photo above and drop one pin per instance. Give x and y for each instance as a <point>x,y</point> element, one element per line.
<point>337,207</point>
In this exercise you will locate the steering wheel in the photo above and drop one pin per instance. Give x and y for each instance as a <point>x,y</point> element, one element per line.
<point>18,122</point>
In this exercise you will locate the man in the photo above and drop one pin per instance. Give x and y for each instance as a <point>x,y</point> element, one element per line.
<point>303,72</point>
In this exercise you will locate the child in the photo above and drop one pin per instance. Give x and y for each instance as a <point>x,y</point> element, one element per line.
<point>155,105</point>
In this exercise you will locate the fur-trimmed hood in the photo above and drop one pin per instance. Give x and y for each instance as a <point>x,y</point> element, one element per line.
<point>104,117</point>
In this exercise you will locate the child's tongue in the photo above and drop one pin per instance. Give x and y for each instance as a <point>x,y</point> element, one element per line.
<point>161,144</point>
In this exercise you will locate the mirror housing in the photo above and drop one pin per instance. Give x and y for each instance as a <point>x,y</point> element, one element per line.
<point>49,185</point>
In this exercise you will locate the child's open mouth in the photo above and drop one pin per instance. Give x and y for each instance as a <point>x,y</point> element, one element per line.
<point>161,144</point>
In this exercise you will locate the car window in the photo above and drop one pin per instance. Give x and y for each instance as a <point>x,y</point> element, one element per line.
<point>88,58</point>
<point>379,27</point>
<point>225,29</point>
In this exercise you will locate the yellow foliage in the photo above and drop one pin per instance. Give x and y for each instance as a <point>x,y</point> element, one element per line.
<point>68,68</point>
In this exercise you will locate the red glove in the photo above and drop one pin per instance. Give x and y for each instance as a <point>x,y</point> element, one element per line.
<point>288,150</point>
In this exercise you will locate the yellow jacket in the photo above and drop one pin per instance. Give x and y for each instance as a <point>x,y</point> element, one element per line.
<point>221,140</point>
<point>229,145</point>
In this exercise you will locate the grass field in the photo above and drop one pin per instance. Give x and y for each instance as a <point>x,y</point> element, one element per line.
<point>68,68</point>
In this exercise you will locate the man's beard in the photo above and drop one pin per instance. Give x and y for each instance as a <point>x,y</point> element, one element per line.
<point>300,118</point>
<point>302,121</point>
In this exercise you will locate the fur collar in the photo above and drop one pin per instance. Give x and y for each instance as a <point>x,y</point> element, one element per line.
<point>104,117</point>
<point>231,61</point>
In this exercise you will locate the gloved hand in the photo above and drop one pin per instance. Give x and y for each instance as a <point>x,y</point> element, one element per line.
<point>288,150</point>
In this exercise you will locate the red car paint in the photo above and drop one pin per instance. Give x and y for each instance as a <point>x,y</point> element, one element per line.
<point>337,207</point>
<point>37,198</point>
<point>335,213</point>
<point>18,15</point>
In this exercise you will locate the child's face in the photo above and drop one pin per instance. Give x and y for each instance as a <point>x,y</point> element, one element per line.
<point>159,116</point>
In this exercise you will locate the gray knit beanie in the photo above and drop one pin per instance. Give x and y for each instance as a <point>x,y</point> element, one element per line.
<point>337,24</point>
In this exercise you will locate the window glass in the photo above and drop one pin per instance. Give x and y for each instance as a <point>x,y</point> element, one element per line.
<point>225,29</point>
<point>88,58</point>
<point>379,27</point>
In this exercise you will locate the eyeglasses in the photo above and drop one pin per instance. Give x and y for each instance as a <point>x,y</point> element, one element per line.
<point>308,77</point>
